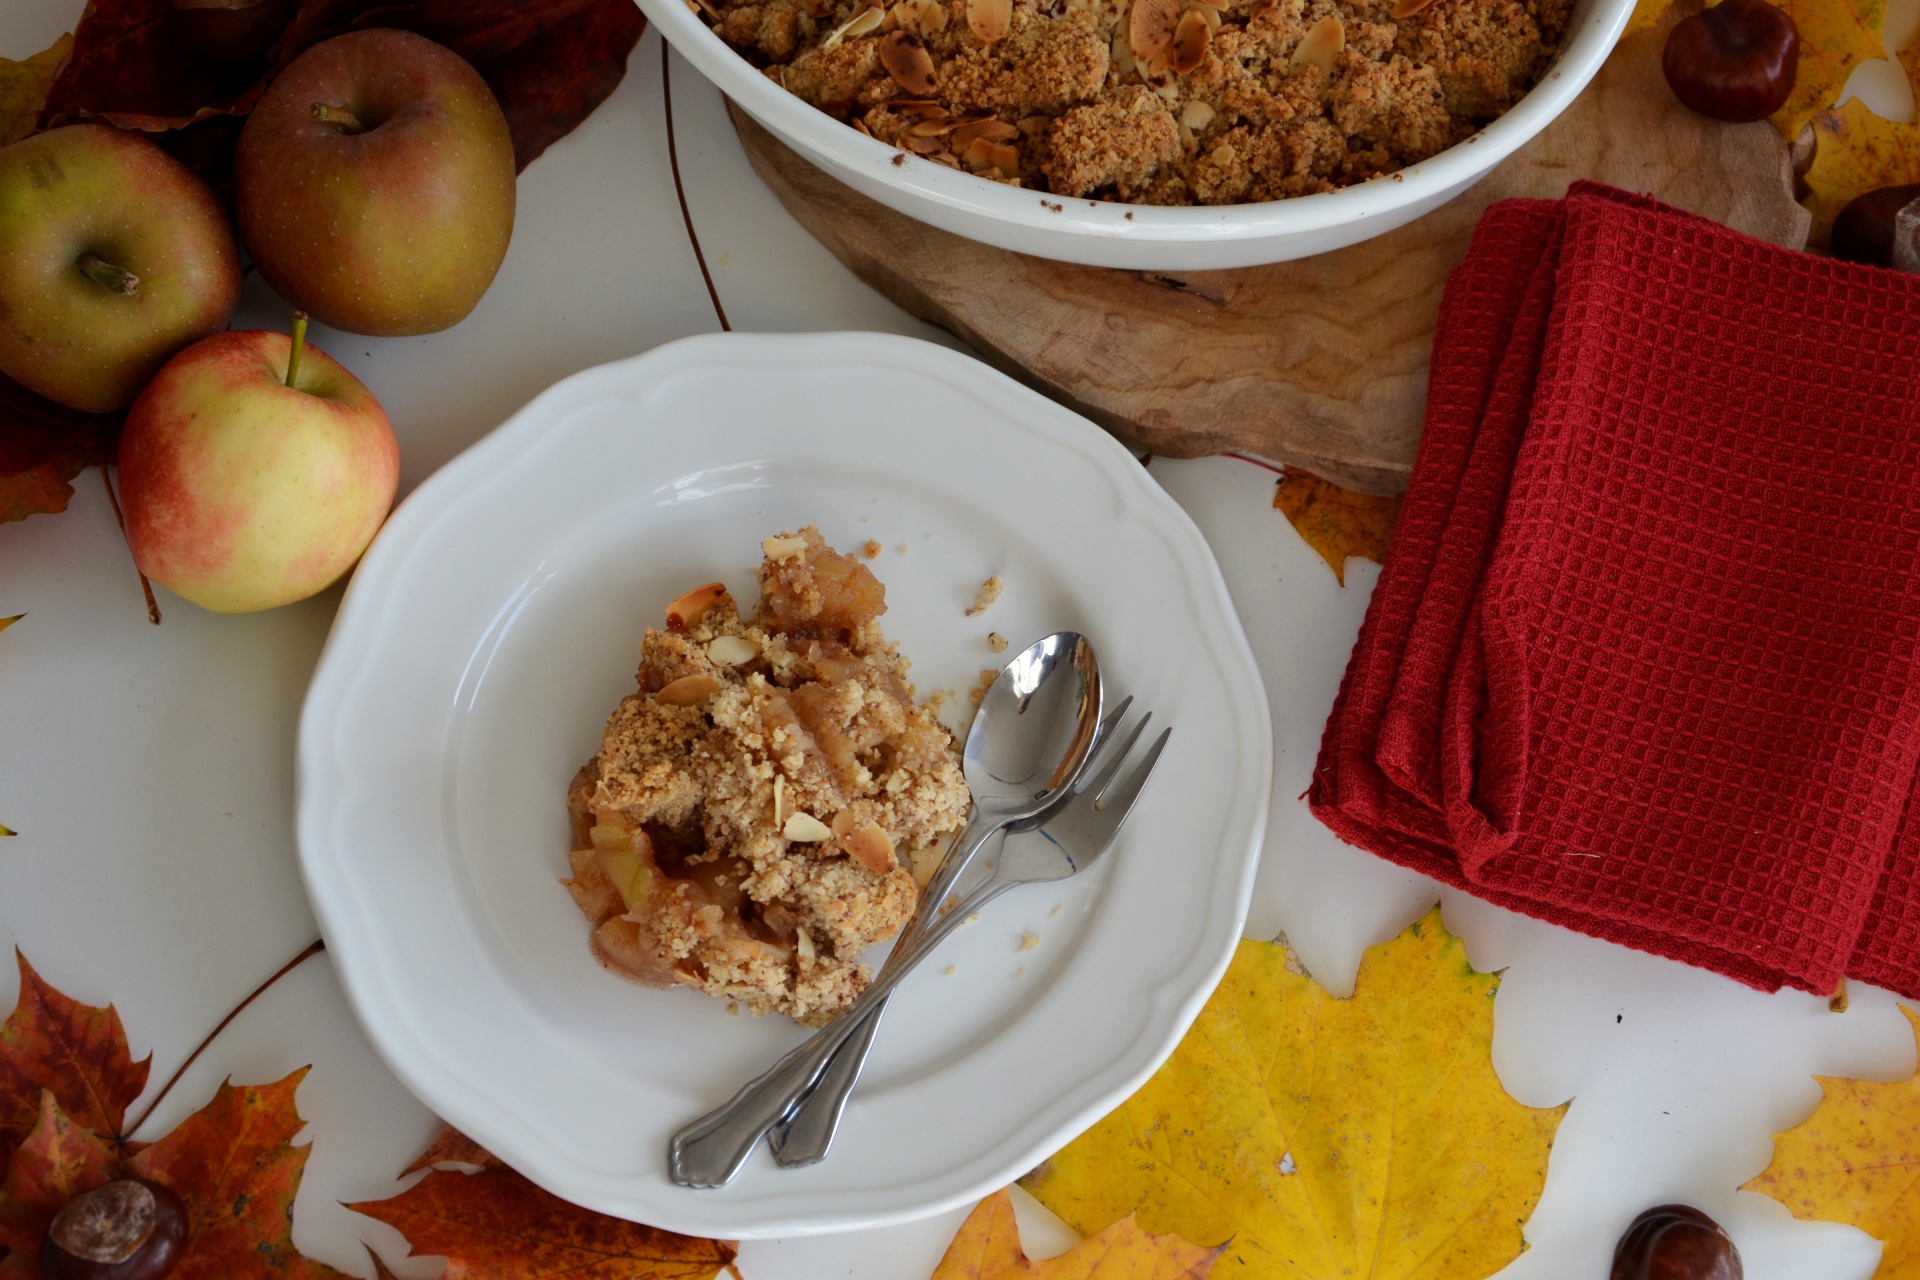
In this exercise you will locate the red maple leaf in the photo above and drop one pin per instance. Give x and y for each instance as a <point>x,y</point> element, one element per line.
<point>77,1054</point>
<point>44,445</point>
<point>58,1161</point>
<point>496,1224</point>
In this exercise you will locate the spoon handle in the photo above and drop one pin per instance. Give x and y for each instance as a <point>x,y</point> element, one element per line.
<point>712,1149</point>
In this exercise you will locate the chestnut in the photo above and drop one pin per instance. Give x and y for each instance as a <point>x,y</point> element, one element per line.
<point>1675,1242</point>
<point>1735,61</point>
<point>130,1229</point>
<point>1864,230</point>
<point>228,35</point>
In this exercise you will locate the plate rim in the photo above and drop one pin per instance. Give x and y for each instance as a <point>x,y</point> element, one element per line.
<point>322,786</point>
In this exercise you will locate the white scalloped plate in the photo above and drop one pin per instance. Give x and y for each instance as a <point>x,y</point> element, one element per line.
<point>495,623</point>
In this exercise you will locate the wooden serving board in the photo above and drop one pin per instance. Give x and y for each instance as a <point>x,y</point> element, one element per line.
<point>1320,362</point>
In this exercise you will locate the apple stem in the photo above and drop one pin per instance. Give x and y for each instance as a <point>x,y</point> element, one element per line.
<point>299,345</point>
<point>347,122</point>
<point>109,277</point>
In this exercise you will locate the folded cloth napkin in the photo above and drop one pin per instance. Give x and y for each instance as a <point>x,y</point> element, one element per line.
<point>1644,658</point>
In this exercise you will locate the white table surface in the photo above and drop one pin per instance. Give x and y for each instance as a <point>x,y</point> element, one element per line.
<point>150,770</point>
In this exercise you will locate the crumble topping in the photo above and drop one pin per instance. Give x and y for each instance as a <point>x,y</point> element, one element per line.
<point>1156,101</point>
<point>757,808</point>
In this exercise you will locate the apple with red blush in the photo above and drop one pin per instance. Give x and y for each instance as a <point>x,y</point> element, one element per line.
<point>254,471</point>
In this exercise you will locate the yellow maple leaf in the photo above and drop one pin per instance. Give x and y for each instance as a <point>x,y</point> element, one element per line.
<point>23,88</point>
<point>987,1247</point>
<point>1857,152</point>
<point>1364,1139</point>
<point>1334,521</point>
<point>1835,37</point>
<point>1856,1160</point>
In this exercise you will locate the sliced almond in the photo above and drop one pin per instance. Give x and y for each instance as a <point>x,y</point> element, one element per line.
<point>933,16</point>
<point>688,691</point>
<point>908,62</point>
<point>1121,54</point>
<point>804,828</point>
<point>1150,28</point>
<point>779,798</point>
<point>982,154</point>
<point>1190,38</point>
<point>1208,14</point>
<point>803,944</point>
<point>691,607</point>
<point>1320,46</point>
<point>860,24</point>
<point>1407,8</point>
<point>933,128</point>
<point>990,20</point>
<point>1219,6</point>
<point>1196,115</point>
<point>992,130</point>
<point>861,125</point>
<point>945,158</point>
<point>731,651</point>
<point>864,842</point>
<point>916,107</point>
<point>922,146</point>
<point>1223,155</point>
<point>782,548</point>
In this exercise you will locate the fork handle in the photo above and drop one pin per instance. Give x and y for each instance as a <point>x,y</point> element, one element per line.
<point>710,1151</point>
<point>804,1136</point>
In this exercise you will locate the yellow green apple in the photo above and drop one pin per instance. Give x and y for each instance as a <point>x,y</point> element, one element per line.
<point>374,184</point>
<point>113,256</point>
<point>254,470</point>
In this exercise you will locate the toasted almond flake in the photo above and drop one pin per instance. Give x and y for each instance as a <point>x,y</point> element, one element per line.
<point>922,146</point>
<point>990,129</point>
<point>1150,28</point>
<point>1196,115</point>
<point>933,16</point>
<point>859,24</point>
<point>861,125</point>
<point>864,842</point>
<point>690,608</point>
<point>1224,154</point>
<point>916,107</point>
<point>688,691</point>
<point>803,943</point>
<point>1190,38</point>
<point>892,21</point>
<point>782,548</point>
<point>1407,8</point>
<point>1208,14</point>
<point>1122,55</point>
<point>731,651</point>
<point>935,128</point>
<point>1320,46</point>
<point>990,20</point>
<point>779,799</point>
<point>994,155</point>
<point>908,62</point>
<point>804,828</point>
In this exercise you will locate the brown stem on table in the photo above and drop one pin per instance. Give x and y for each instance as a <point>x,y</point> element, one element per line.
<point>313,949</point>
<point>339,117</point>
<point>1258,462</point>
<point>153,606</point>
<point>673,159</point>
<point>114,279</point>
<point>1838,1004</point>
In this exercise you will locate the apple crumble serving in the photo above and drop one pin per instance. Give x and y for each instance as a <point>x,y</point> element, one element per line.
<point>1168,102</point>
<point>749,823</point>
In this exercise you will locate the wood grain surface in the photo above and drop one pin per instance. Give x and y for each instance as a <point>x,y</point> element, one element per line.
<point>1320,362</point>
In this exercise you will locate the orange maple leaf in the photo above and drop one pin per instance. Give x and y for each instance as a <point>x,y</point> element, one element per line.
<point>233,1163</point>
<point>987,1247</point>
<point>74,1052</point>
<point>496,1223</point>
<point>58,1161</point>
<point>1334,521</point>
<point>43,446</point>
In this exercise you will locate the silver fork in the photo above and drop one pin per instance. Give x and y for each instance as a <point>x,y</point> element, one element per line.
<point>805,1134</point>
<point>711,1150</point>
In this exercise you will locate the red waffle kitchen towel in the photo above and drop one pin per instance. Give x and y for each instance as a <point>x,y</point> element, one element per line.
<point>1644,659</point>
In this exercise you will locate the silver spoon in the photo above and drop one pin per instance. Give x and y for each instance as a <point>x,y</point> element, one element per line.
<point>807,1132</point>
<point>1033,735</point>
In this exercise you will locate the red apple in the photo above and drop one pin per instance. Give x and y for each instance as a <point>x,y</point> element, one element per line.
<point>112,257</point>
<point>247,485</point>
<point>374,184</point>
